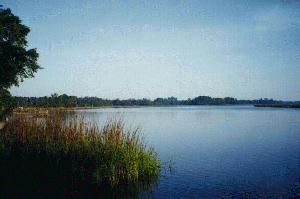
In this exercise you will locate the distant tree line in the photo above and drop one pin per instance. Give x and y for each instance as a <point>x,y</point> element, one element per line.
<point>64,100</point>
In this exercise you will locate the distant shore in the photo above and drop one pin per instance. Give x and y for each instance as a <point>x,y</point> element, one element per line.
<point>45,110</point>
<point>278,105</point>
<point>62,108</point>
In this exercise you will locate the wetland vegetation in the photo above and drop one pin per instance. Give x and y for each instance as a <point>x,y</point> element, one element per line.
<point>42,154</point>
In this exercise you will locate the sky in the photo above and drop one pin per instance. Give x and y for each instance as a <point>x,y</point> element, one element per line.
<point>148,49</point>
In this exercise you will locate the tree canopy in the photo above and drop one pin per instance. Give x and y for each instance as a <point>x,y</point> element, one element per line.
<point>16,61</point>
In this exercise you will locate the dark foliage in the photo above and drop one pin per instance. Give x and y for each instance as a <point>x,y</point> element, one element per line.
<point>72,101</point>
<point>16,61</point>
<point>6,103</point>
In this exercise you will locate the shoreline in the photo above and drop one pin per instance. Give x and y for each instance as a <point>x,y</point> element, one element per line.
<point>126,106</point>
<point>45,110</point>
<point>277,105</point>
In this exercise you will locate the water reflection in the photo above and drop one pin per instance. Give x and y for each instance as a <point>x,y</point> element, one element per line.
<point>28,186</point>
<point>221,151</point>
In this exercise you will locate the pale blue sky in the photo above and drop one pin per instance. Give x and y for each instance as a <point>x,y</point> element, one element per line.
<point>135,49</point>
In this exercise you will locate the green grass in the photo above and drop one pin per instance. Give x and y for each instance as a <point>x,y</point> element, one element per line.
<point>39,154</point>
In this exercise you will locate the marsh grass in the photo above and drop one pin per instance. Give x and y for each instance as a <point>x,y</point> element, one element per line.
<point>67,153</point>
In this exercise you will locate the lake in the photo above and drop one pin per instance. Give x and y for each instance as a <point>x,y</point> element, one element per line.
<point>218,151</point>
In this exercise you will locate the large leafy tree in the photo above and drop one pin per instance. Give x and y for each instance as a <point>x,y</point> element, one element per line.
<point>17,62</point>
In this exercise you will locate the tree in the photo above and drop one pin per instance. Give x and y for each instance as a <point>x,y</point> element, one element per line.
<point>6,103</point>
<point>16,61</point>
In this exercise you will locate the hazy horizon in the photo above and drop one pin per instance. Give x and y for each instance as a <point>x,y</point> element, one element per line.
<point>150,49</point>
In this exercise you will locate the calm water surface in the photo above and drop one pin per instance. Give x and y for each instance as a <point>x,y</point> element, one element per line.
<point>219,151</point>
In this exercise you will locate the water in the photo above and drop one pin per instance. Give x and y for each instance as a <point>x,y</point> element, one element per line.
<point>219,151</point>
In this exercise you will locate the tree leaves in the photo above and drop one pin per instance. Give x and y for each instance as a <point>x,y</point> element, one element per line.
<point>16,62</point>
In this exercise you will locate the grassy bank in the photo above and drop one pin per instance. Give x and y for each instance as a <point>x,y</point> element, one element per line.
<point>278,105</point>
<point>66,155</point>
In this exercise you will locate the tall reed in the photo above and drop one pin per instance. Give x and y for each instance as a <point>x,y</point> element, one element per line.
<point>75,151</point>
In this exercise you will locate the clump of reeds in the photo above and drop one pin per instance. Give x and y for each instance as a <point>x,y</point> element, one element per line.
<point>69,149</point>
